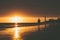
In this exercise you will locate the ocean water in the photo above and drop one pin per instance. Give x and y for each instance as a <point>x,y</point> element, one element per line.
<point>20,33</point>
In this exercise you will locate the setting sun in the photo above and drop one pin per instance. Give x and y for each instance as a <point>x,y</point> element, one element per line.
<point>16,19</point>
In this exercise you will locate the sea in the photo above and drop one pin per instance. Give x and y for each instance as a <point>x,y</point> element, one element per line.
<point>21,33</point>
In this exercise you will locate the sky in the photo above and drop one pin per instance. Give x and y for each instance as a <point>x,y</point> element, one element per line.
<point>24,19</point>
<point>30,8</point>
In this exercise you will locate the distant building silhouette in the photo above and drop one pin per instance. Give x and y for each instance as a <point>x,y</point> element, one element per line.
<point>45,21</point>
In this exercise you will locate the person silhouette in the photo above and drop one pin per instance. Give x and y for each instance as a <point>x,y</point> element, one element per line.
<point>38,24</point>
<point>38,21</point>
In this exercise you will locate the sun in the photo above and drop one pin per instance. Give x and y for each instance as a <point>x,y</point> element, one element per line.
<point>16,19</point>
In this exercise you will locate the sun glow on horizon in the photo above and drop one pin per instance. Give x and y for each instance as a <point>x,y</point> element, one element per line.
<point>15,19</point>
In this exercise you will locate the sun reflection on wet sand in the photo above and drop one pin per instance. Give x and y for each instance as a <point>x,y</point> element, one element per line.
<point>16,32</point>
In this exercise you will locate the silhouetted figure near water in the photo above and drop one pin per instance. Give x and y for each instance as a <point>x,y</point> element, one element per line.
<point>38,24</point>
<point>38,21</point>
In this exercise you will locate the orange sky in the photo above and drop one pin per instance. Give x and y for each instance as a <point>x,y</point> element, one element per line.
<point>23,19</point>
<point>22,16</point>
